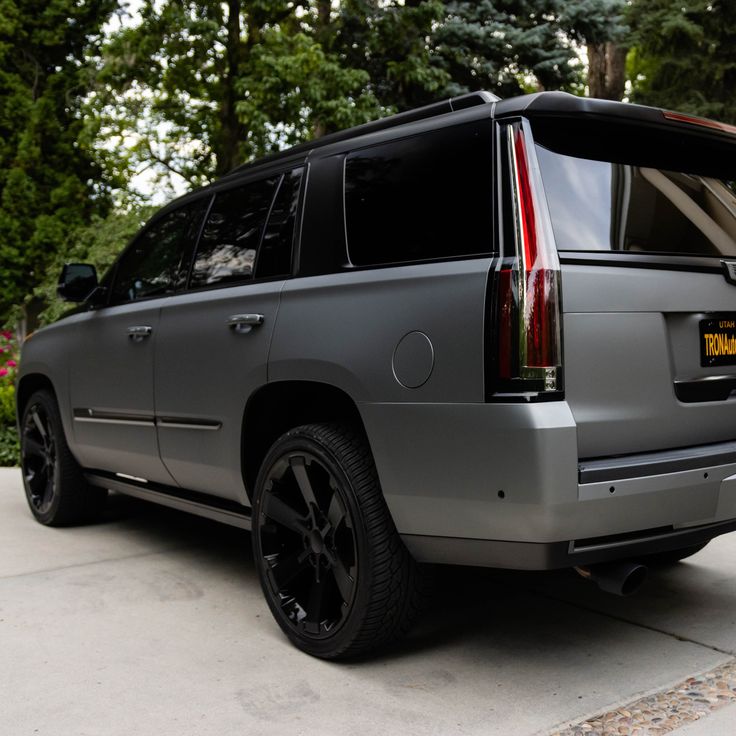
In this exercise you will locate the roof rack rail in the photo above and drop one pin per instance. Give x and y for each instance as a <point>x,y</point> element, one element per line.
<point>453,104</point>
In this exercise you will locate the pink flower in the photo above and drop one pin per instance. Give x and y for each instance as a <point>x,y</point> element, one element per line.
<point>3,371</point>
<point>6,334</point>
<point>11,364</point>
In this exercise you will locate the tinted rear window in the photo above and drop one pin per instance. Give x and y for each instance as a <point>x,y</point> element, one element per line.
<point>421,198</point>
<point>232,234</point>
<point>637,205</point>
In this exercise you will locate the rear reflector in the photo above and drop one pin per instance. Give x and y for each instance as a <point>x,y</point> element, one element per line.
<point>529,353</point>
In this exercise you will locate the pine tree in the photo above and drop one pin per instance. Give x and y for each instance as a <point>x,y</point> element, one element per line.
<point>515,46</point>
<point>685,55</point>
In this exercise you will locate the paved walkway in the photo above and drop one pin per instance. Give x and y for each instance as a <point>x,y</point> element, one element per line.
<point>153,623</point>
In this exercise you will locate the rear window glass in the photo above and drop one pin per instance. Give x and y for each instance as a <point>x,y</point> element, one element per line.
<point>599,205</point>
<point>421,198</point>
<point>232,235</point>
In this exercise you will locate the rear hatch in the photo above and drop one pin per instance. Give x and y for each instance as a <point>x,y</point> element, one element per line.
<point>644,219</point>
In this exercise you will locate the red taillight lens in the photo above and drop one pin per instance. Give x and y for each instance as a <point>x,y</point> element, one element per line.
<point>529,329</point>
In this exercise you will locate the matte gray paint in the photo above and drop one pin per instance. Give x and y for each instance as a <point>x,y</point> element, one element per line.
<point>343,329</point>
<point>442,454</point>
<point>98,366</point>
<point>413,360</point>
<point>628,335</point>
<point>205,370</point>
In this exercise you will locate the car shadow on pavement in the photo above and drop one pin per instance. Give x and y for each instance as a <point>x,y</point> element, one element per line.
<point>501,612</point>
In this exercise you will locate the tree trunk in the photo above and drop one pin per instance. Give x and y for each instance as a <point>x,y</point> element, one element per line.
<point>232,133</point>
<point>323,35</point>
<point>606,70</point>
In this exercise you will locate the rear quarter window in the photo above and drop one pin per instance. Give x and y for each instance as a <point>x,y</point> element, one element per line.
<point>420,198</point>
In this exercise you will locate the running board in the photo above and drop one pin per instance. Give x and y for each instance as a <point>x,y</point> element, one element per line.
<point>200,504</point>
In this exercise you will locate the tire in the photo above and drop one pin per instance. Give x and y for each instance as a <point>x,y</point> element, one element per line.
<point>333,569</point>
<point>664,559</point>
<point>56,490</point>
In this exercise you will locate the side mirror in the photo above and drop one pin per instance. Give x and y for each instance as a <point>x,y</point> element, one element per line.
<point>77,282</point>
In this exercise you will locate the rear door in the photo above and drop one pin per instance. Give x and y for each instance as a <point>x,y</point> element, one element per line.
<point>643,219</point>
<point>213,341</point>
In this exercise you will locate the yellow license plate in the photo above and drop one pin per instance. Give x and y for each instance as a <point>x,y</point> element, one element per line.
<point>718,341</point>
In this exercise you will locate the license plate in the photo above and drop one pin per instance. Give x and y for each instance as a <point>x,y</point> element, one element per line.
<point>718,341</point>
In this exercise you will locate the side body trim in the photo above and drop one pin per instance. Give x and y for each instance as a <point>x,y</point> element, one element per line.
<point>200,504</point>
<point>143,420</point>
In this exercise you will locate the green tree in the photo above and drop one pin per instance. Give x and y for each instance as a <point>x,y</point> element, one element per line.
<point>685,55</point>
<point>393,42</point>
<point>196,88</point>
<point>49,183</point>
<point>98,243</point>
<point>516,46</point>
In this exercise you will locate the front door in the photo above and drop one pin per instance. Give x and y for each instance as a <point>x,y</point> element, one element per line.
<point>113,347</point>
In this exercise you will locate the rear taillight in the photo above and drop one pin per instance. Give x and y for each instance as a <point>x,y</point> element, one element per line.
<point>528,350</point>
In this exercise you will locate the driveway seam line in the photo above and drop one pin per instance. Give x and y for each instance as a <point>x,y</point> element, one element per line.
<point>621,619</point>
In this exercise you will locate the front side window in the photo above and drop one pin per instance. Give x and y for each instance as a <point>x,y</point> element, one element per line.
<point>421,198</point>
<point>151,265</point>
<point>232,234</point>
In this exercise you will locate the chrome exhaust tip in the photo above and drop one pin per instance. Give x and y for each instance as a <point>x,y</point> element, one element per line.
<point>619,578</point>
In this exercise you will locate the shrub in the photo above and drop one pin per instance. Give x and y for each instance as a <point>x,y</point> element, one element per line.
<point>7,405</point>
<point>9,447</point>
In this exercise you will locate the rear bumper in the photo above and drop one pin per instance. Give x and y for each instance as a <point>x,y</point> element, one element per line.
<point>554,555</point>
<point>500,485</point>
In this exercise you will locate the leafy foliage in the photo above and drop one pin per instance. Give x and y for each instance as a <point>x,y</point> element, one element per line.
<point>98,243</point>
<point>49,182</point>
<point>196,88</point>
<point>506,46</point>
<point>685,55</point>
<point>9,448</point>
<point>394,44</point>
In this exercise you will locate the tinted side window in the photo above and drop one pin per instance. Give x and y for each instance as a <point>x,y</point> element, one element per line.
<point>274,257</point>
<point>232,234</point>
<point>151,264</point>
<point>421,198</point>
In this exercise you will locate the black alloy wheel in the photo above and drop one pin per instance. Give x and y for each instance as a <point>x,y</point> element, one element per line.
<point>334,571</point>
<point>308,544</point>
<point>57,492</point>
<point>38,458</point>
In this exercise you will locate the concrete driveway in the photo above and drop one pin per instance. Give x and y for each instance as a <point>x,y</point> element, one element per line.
<point>154,623</point>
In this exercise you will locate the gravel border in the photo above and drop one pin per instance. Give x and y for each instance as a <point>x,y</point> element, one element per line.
<point>665,711</point>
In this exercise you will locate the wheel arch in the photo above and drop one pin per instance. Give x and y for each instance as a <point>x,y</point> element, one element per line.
<point>27,386</point>
<point>277,407</point>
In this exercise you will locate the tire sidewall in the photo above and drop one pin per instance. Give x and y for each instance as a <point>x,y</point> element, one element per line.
<point>302,440</point>
<point>48,403</point>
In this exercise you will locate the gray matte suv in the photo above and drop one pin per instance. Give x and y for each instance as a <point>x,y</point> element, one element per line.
<point>484,332</point>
